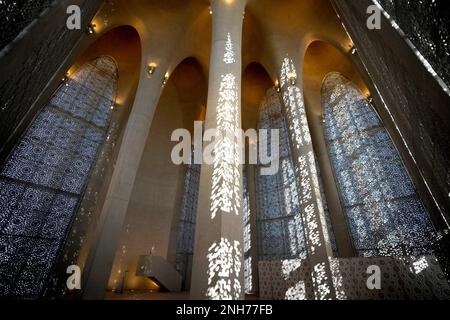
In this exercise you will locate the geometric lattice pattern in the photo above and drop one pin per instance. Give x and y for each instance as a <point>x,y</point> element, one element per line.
<point>427,24</point>
<point>280,225</point>
<point>402,278</point>
<point>16,15</point>
<point>43,179</point>
<point>247,234</point>
<point>186,227</point>
<point>385,214</point>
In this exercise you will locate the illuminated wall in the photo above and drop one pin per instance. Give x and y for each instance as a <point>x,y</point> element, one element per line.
<point>385,214</point>
<point>45,176</point>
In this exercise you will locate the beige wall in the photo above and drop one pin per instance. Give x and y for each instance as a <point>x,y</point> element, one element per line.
<point>255,83</point>
<point>154,209</point>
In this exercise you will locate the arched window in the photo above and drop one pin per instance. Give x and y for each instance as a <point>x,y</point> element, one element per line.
<point>280,225</point>
<point>43,180</point>
<point>384,212</point>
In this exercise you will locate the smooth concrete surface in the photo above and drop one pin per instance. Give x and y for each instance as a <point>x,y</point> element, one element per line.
<point>154,210</point>
<point>159,270</point>
<point>225,228</point>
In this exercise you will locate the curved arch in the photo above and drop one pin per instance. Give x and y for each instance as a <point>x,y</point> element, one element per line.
<point>189,81</point>
<point>122,45</point>
<point>255,83</point>
<point>320,59</point>
<point>181,61</point>
<point>377,194</point>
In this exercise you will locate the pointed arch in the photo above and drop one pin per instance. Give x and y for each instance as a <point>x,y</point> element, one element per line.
<point>45,176</point>
<point>384,212</point>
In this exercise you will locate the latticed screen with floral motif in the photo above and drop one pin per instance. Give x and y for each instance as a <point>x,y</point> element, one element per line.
<point>186,227</point>
<point>43,180</point>
<point>247,234</point>
<point>427,24</point>
<point>16,15</point>
<point>280,225</point>
<point>378,196</point>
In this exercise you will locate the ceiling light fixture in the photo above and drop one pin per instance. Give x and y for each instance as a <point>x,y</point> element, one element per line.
<point>151,69</point>
<point>292,78</point>
<point>91,28</point>
<point>166,78</point>
<point>277,85</point>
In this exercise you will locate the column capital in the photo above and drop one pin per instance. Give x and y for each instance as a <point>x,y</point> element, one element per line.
<point>228,5</point>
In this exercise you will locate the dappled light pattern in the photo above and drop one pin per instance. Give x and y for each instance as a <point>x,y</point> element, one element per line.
<point>228,57</point>
<point>224,266</point>
<point>295,108</point>
<point>419,265</point>
<point>305,170</point>
<point>186,227</point>
<point>320,280</point>
<point>316,232</point>
<point>298,290</point>
<point>225,256</point>
<point>327,212</point>
<point>405,278</point>
<point>45,176</point>
<point>247,235</point>
<point>288,279</point>
<point>376,192</point>
<point>226,196</point>
<point>280,224</point>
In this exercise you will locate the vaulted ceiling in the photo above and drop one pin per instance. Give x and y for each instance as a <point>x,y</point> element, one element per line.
<point>173,30</point>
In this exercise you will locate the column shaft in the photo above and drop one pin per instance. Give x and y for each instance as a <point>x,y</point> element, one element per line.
<point>218,263</point>
<point>317,239</point>
<point>101,257</point>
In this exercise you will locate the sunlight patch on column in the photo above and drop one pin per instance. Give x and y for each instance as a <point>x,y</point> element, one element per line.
<point>224,267</point>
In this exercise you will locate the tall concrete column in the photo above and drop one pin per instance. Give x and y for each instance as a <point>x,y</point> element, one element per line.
<point>101,257</point>
<point>218,262</point>
<point>317,239</point>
